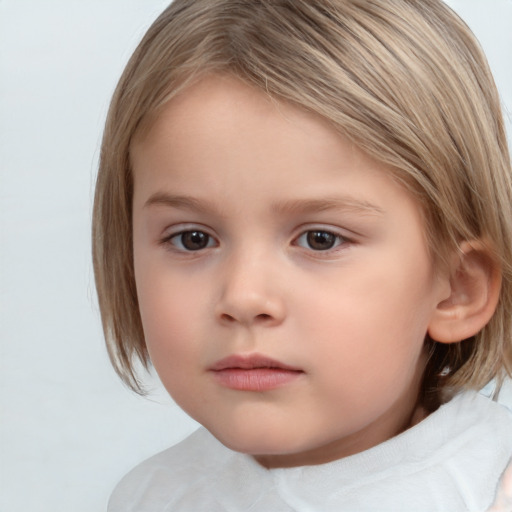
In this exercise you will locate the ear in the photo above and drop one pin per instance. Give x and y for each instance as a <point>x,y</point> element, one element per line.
<point>475,284</point>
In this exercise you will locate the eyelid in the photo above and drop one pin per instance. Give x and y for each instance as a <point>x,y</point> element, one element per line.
<point>345,239</point>
<point>179,229</point>
<point>329,228</point>
<point>176,229</point>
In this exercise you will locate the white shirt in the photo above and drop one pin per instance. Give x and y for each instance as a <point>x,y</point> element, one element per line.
<point>451,461</point>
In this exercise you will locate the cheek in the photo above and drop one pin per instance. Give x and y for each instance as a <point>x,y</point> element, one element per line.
<point>373,323</point>
<point>171,317</point>
<point>171,328</point>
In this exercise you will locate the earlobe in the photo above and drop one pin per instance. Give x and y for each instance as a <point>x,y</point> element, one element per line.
<point>475,283</point>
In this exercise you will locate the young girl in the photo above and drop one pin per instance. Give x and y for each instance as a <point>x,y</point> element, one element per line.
<point>303,220</point>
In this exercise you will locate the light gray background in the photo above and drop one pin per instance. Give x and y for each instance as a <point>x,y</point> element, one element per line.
<point>69,430</point>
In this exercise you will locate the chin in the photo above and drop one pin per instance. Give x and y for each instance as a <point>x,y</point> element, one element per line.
<point>250,440</point>
<point>261,442</point>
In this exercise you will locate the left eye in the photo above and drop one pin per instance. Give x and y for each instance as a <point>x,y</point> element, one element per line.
<point>319,240</point>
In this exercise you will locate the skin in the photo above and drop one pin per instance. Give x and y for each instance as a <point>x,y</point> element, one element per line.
<point>503,500</point>
<point>255,176</point>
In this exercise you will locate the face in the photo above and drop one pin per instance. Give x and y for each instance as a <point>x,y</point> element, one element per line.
<point>284,281</point>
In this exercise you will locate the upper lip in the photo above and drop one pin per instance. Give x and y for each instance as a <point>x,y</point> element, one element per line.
<point>250,362</point>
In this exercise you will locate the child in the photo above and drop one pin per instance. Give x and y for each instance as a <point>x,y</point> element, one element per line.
<point>303,219</point>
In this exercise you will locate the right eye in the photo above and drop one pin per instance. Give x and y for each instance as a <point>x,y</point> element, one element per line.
<point>192,240</point>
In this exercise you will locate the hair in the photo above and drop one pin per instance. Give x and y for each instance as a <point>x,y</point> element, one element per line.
<point>405,80</point>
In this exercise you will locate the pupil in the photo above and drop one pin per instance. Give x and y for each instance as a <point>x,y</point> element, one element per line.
<point>321,240</point>
<point>194,240</point>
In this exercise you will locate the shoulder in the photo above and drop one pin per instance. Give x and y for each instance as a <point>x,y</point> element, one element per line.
<point>452,460</point>
<point>474,425</point>
<point>479,447</point>
<point>166,476</point>
<point>472,414</point>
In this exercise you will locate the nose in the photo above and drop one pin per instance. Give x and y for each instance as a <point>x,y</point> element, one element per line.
<point>250,294</point>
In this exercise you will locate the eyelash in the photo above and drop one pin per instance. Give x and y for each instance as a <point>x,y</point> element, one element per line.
<point>309,236</point>
<point>169,240</point>
<point>178,240</point>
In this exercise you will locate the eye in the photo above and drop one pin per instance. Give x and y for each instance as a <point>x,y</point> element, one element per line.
<point>319,240</point>
<point>193,240</point>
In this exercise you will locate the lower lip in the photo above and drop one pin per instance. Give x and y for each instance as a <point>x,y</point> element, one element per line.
<point>256,379</point>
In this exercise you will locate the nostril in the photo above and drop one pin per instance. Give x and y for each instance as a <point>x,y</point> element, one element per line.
<point>263,317</point>
<point>227,318</point>
<point>249,309</point>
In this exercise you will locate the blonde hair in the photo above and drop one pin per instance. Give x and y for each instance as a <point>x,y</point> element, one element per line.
<point>404,79</point>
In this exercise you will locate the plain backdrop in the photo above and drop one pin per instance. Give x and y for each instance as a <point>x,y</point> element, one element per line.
<point>69,429</point>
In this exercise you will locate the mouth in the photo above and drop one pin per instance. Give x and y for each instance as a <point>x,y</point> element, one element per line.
<point>253,373</point>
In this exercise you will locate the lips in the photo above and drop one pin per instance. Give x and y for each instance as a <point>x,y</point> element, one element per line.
<point>251,362</point>
<point>253,373</point>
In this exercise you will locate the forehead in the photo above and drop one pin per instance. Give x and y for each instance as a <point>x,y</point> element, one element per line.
<point>220,99</point>
<point>221,138</point>
<point>221,116</point>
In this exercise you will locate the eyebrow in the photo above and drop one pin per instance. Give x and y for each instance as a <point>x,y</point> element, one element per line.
<point>184,202</point>
<point>341,203</point>
<point>287,207</point>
